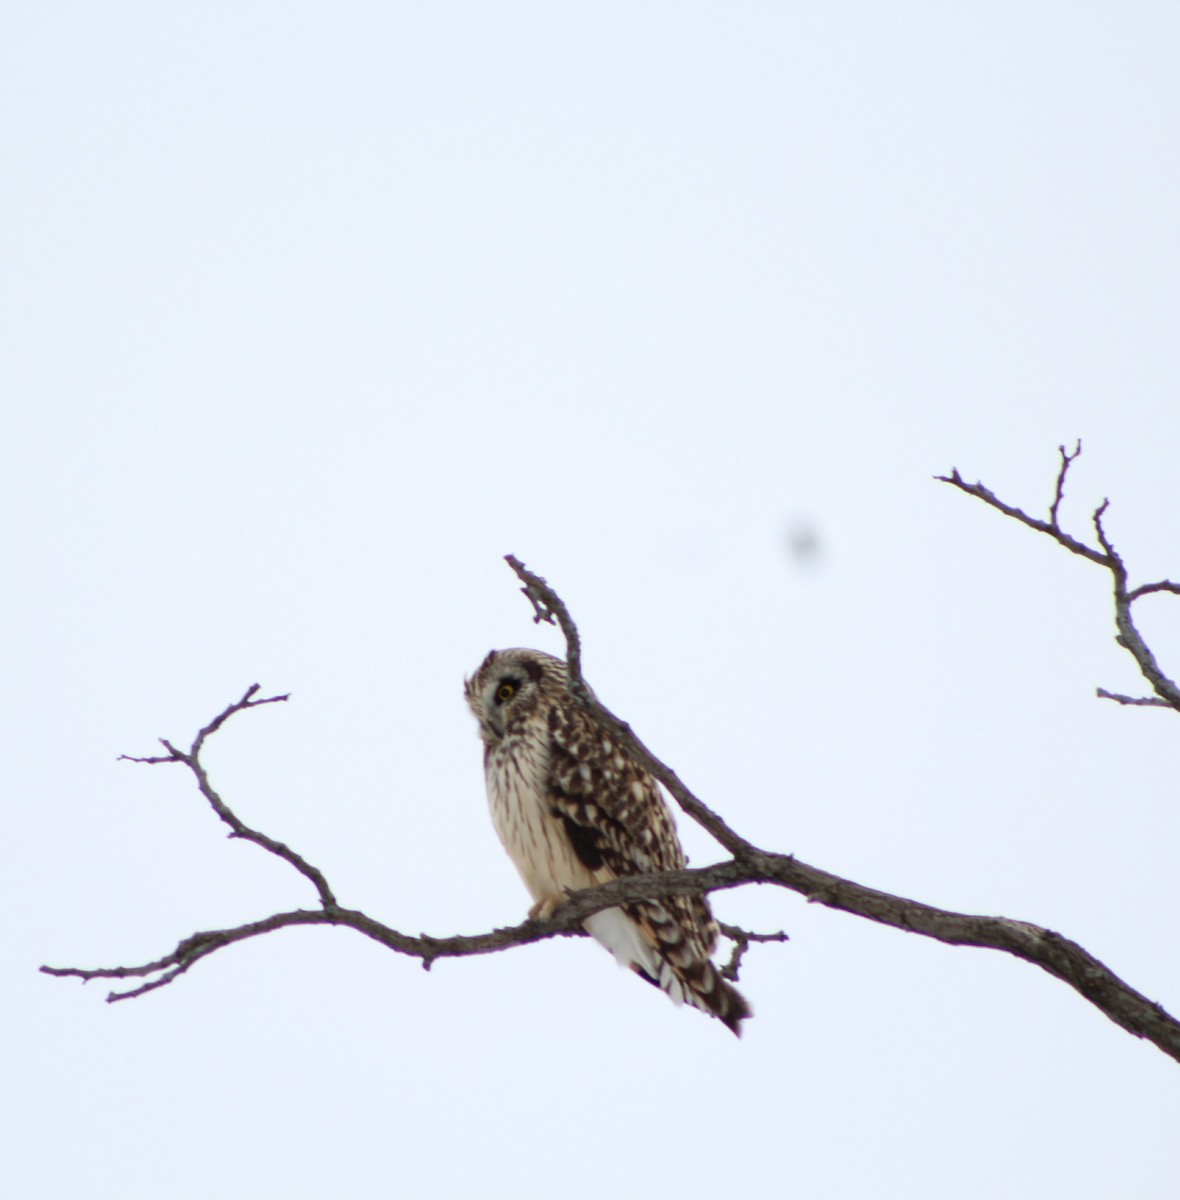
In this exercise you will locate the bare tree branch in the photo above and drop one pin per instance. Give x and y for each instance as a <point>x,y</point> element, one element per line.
<point>1145,589</point>
<point>1050,527</point>
<point>742,938</point>
<point>1059,493</point>
<point>748,864</point>
<point>548,605</point>
<point>1139,701</point>
<point>1059,956</point>
<point>1129,636</point>
<point>192,760</point>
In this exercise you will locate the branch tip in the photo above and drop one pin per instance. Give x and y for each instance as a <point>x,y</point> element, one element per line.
<point>1066,459</point>
<point>1136,701</point>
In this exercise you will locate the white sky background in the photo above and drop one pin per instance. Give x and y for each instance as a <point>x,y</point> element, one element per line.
<point>311,313</point>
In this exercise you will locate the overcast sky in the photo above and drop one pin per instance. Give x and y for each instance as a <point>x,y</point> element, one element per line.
<point>309,313</point>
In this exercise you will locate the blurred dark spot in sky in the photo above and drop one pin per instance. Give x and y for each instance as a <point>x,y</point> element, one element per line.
<point>801,539</point>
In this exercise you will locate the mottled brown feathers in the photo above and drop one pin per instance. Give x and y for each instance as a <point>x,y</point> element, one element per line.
<point>574,809</point>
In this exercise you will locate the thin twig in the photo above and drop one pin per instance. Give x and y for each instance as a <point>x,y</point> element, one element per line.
<point>1066,459</point>
<point>547,605</point>
<point>1139,701</point>
<point>742,940</point>
<point>1146,589</point>
<point>191,950</point>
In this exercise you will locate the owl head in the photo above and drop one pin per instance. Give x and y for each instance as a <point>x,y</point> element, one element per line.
<point>510,686</point>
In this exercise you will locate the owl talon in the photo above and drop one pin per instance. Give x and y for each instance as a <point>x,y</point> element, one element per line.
<point>544,909</point>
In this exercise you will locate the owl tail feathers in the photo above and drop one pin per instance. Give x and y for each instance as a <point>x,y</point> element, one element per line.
<point>700,984</point>
<point>692,980</point>
<point>721,999</point>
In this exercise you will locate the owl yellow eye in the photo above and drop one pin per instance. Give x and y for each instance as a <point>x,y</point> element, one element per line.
<point>505,692</point>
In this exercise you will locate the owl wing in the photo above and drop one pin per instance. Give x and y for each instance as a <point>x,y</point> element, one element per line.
<point>619,824</point>
<point>611,806</point>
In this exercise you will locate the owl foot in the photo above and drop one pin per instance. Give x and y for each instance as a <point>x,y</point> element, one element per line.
<point>544,909</point>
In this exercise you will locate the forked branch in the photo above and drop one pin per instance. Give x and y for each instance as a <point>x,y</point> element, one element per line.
<point>1167,694</point>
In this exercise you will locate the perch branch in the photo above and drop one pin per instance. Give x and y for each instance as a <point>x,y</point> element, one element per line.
<point>1055,954</point>
<point>1059,956</point>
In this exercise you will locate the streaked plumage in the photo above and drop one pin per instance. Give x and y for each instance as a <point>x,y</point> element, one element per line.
<point>574,809</point>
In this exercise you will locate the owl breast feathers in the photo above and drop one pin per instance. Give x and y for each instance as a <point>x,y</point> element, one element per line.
<point>574,810</point>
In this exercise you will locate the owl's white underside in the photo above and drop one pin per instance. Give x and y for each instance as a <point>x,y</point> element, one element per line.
<point>540,849</point>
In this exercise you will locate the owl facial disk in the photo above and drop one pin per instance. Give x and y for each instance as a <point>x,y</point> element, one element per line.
<point>505,687</point>
<point>498,696</point>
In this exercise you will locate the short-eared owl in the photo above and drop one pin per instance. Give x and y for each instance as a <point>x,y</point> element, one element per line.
<point>575,810</point>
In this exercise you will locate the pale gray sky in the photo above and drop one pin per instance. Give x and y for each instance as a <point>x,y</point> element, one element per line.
<point>310,313</point>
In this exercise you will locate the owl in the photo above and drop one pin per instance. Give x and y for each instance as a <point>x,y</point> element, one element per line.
<point>574,810</point>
